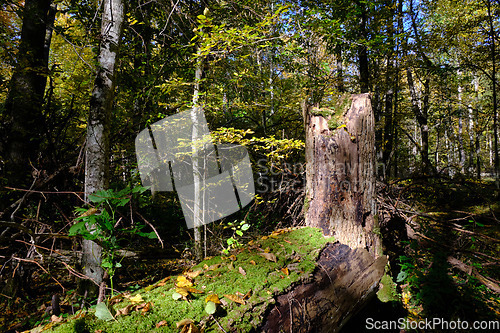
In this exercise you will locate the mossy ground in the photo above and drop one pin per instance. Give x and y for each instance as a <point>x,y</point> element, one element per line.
<point>296,251</point>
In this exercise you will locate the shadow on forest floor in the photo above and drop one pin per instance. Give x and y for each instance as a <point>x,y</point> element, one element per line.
<point>443,241</point>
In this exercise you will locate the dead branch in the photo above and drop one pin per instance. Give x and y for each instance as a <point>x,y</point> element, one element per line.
<point>470,270</point>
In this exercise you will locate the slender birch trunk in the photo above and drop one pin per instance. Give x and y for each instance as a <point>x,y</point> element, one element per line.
<point>97,154</point>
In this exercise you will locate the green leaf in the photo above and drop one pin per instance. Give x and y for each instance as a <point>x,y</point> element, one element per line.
<point>98,197</point>
<point>102,312</point>
<point>77,229</point>
<point>401,276</point>
<point>239,233</point>
<point>210,308</point>
<point>176,296</point>
<point>245,227</point>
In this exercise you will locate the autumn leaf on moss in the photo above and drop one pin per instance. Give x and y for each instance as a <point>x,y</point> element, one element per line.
<point>235,299</point>
<point>124,311</point>
<point>183,281</point>
<point>146,307</point>
<point>188,326</point>
<point>136,299</point>
<point>242,271</point>
<point>211,268</point>
<point>163,282</point>
<point>285,271</point>
<point>213,298</point>
<point>268,256</point>
<point>182,291</point>
<point>193,274</point>
<point>161,323</point>
<point>191,290</point>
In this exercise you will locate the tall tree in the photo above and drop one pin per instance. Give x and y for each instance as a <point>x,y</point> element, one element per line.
<point>23,106</point>
<point>98,126</point>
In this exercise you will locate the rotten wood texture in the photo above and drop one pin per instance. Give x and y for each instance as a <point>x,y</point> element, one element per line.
<point>344,281</point>
<point>340,191</point>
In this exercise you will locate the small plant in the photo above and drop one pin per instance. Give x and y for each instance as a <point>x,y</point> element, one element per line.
<point>99,223</point>
<point>238,230</point>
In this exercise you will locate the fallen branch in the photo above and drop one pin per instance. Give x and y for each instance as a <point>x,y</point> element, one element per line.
<point>43,269</point>
<point>149,224</point>
<point>470,270</point>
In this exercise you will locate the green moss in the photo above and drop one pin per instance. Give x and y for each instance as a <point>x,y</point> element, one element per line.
<point>336,110</point>
<point>323,112</point>
<point>306,204</point>
<point>296,252</point>
<point>387,292</point>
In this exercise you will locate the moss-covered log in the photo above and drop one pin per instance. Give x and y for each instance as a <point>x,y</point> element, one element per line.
<point>297,270</point>
<point>344,280</point>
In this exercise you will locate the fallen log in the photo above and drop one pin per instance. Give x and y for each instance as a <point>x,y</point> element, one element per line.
<point>344,281</point>
<point>293,280</point>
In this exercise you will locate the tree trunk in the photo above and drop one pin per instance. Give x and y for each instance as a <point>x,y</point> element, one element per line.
<point>98,128</point>
<point>420,113</point>
<point>23,105</point>
<point>346,279</point>
<point>340,191</point>
<point>195,136</point>
<point>494,90</point>
<point>364,74</point>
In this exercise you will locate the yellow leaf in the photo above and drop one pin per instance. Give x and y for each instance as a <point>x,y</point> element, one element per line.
<point>253,262</point>
<point>89,212</point>
<point>213,298</point>
<point>182,291</point>
<point>136,299</point>
<point>211,268</point>
<point>285,271</point>
<point>232,257</point>
<point>183,281</point>
<point>235,299</point>
<point>193,290</point>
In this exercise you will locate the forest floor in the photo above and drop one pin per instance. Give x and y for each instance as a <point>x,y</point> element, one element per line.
<point>442,238</point>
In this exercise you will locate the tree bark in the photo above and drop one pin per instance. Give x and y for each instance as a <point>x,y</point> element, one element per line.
<point>98,127</point>
<point>23,105</point>
<point>364,74</point>
<point>195,137</point>
<point>345,280</point>
<point>340,190</point>
<point>494,90</point>
<point>421,117</point>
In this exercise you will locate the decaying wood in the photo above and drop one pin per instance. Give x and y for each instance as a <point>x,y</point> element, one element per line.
<point>340,193</point>
<point>345,280</point>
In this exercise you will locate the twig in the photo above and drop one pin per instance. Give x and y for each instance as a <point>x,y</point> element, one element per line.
<point>43,269</point>
<point>41,247</point>
<point>149,224</point>
<point>222,329</point>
